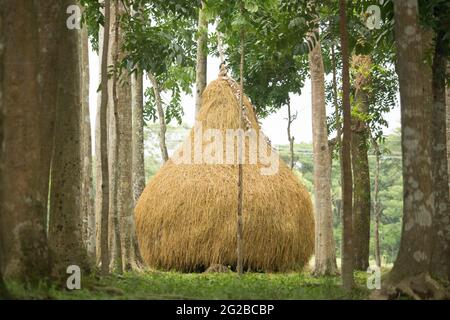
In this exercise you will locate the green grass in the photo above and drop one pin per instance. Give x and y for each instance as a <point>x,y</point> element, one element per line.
<point>172,285</point>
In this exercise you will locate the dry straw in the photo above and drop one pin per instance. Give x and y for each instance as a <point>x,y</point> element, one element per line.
<point>186,216</point>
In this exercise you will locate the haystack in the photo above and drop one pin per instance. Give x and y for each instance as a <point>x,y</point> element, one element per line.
<point>186,216</point>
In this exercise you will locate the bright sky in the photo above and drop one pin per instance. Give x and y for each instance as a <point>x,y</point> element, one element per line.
<point>274,126</point>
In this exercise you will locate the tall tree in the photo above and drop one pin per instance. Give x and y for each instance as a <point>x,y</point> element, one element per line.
<point>137,108</point>
<point>202,56</point>
<point>240,185</point>
<point>410,274</point>
<point>30,42</point>
<point>125,203</point>
<point>161,116</point>
<point>103,230</point>
<point>347,245</point>
<point>65,214</point>
<point>137,144</point>
<point>138,165</point>
<point>325,259</point>
<point>440,261</point>
<point>115,236</point>
<point>376,203</point>
<point>361,69</point>
<point>98,158</point>
<point>87,192</point>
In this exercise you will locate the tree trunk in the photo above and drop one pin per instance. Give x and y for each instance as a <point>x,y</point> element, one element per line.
<point>137,143</point>
<point>410,272</point>
<point>87,192</point>
<point>291,138</point>
<point>336,104</point>
<point>98,158</point>
<point>115,236</point>
<point>202,56</point>
<point>137,107</point>
<point>325,258</point>
<point>240,186</point>
<point>361,66</point>
<point>447,89</point>
<point>104,144</point>
<point>65,217</point>
<point>376,203</point>
<point>30,34</point>
<point>440,261</point>
<point>124,183</point>
<point>161,117</point>
<point>347,243</point>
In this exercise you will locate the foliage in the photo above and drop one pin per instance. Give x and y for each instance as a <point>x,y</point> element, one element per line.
<point>273,67</point>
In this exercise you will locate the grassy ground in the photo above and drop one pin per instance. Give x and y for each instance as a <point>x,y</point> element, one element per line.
<point>171,285</point>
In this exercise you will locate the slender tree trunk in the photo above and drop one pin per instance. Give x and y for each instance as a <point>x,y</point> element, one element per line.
<point>335,102</point>
<point>161,117</point>
<point>240,223</point>
<point>137,107</point>
<point>138,164</point>
<point>104,144</point>
<point>347,243</point>
<point>291,138</point>
<point>338,142</point>
<point>87,192</point>
<point>98,158</point>
<point>115,236</point>
<point>361,66</point>
<point>440,261</point>
<point>123,116</point>
<point>410,272</point>
<point>376,203</point>
<point>65,217</point>
<point>30,34</point>
<point>202,56</point>
<point>325,258</point>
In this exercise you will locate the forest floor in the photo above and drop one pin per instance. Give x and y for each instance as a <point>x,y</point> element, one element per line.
<point>172,285</point>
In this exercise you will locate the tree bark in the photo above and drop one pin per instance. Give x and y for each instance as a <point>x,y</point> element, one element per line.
<point>376,203</point>
<point>447,89</point>
<point>202,56</point>
<point>325,257</point>
<point>138,163</point>
<point>87,192</point>
<point>161,117</point>
<point>115,234</point>
<point>291,138</point>
<point>410,274</point>
<point>440,261</point>
<point>104,145</point>
<point>137,107</point>
<point>65,217</point>
<point>347,241</point>
<point>361,66</point>
<point>125,203</point>
<point>98,158</point>
<point>240,186</point>
<point>29,45</point>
